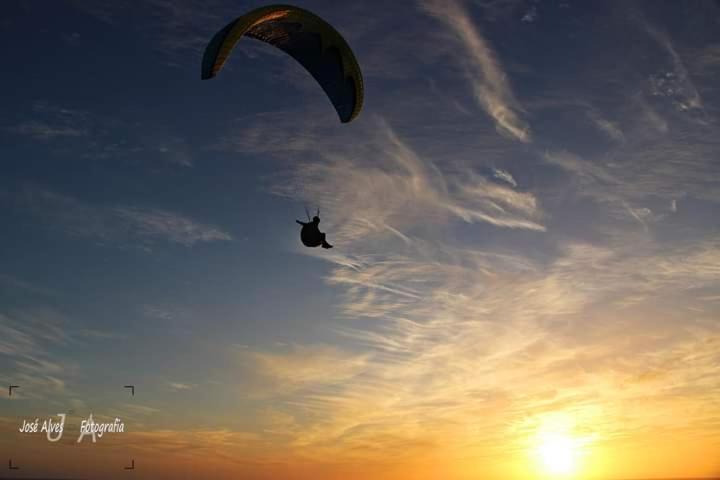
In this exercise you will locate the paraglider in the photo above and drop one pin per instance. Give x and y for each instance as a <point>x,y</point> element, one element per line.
<point>310,234</point>
<point>309,39</point>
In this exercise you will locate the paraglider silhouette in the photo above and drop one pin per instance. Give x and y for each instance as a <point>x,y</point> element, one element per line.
<point>310,234</point>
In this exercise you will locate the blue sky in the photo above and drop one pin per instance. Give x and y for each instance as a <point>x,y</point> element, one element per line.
<point>524,218</point>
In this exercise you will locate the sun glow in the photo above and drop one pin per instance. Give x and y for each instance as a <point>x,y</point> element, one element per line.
<point>557,447</point>
<point>558,454</point>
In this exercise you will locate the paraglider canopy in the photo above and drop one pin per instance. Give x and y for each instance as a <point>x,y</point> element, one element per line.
<point>309,39</point>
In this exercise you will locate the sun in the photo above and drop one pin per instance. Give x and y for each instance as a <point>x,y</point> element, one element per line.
<point>558,454</point>
<point>560,445</point>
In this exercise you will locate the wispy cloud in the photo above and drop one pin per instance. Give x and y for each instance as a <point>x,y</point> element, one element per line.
<point>707,60</point>
<point>304,365</point>
<point>173,150</point>
<point>123,225</point>
<point>490,83</point>
<point>100,334</point>
<point>53,121</point>
<point>464,340</point>
<point>179,29</point>
<point>102,136</point>
<point>675,83</point>
<point>504,176</point>
<point>168,225</point>
<point>161,312</point>
<point>481,289</point>
<point>180,386</point>
<point>482,342</point>
<point>14,282</point>
<point>531,15</point>
<point>29,339</point>
<point>404,189</point>
<point>611,129</point>
<point>646,167</point>
<point>44,131</point>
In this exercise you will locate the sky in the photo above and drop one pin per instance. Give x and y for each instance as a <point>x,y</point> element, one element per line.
<point>525,282</point>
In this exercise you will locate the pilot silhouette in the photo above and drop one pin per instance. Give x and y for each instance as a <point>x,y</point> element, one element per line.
<point>310,234</point>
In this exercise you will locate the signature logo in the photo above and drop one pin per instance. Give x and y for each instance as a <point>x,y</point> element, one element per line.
<point>54,429</point>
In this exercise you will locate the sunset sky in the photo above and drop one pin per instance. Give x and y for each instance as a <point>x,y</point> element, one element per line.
<point>525,282</point>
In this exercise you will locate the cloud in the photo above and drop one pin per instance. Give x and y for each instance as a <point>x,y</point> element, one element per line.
<point>400,188</point>
<point>707,59</point>
<point>14,282</point>
<point>125,225</point>
<point>645,167</point>
<point>174,151</point>
<point>460,329</point>
<point>34,353</point>
<point>103,136</point>
<point>30,341</point>
<point>151,223</point>
<point>299,368</point>
<point>490,83</point>
<point>650,116</point>
<point>675,83</point>
<point>475,346</point>
<point>178,29</point>
<point>308,364</point>
<point>606,126</point>
<point>223,445</point>
<point>43,131</point>
<point>593,179</point>
<point>139,409</point>
<point>471,341</point>
<point>53,122</point>
<point>180,386</point>
<point>100,334</point>
<point>642,215</point>
<point>531,15</point>
<point>161,312</point>
<point>504,176</point>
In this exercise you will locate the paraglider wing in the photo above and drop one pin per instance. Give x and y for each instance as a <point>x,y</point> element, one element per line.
<point>309,39</point>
